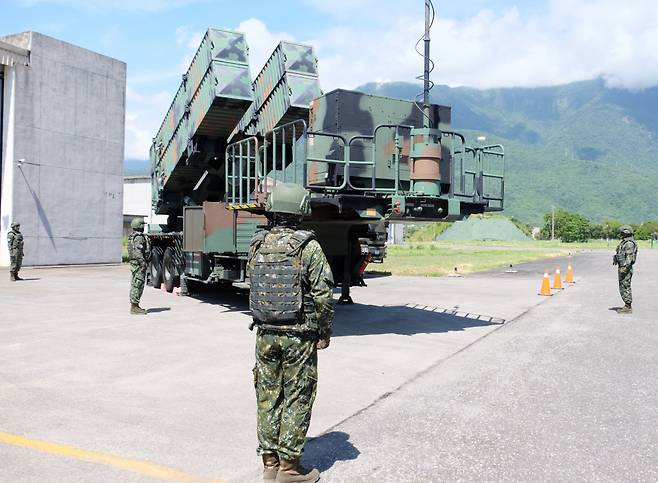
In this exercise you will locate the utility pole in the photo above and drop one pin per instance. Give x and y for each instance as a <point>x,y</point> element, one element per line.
<point>553,224</point>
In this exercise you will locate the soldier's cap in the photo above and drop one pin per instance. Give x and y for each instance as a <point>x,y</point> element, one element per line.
<point>15,225</point>
<point>626,230</point>
<point>137,223</point>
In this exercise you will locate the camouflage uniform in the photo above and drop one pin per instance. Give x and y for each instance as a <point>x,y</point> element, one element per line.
<point>625,257</point>
<point>15,242</point>
<point>285,374</point>
<point>139,253</point>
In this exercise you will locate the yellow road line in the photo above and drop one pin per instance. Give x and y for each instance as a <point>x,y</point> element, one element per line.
<point>136,466</point>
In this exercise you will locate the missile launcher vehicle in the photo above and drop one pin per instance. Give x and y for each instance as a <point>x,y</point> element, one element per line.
<point>366,160</point>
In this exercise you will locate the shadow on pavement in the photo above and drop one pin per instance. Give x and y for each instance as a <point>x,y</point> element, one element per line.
<point>368,275</point>
<point>155,310</point>
<point>231,298</point>
<point>363,319</point>
<point>325,450</point>
<point>360,319</point>
<point>31,279</point>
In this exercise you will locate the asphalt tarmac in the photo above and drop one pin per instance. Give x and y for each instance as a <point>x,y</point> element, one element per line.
<point>566,392</point>
<point>471,378</point>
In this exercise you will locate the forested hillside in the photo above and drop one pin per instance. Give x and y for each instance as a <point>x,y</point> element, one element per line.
<point>582,146</point>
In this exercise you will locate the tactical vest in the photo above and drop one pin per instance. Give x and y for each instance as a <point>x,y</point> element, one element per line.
<point>15,241</point>
<point>634,256</point>
<point>135,253</point>
<point>276,296</point>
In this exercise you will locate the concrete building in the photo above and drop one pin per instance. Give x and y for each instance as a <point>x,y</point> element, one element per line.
<point>137,202</point>
<point>62,135</point>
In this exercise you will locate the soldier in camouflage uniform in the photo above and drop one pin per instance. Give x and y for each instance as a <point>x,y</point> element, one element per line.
<point>625,259</point>
<point>292,306</point>
<point>15,242</point>
<point>139,254</point>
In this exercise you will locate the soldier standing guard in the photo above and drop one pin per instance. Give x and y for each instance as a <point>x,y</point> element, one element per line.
<point>291,300</point>
<point>15,242</point>
<point>139,254</point>
<point>625,259</point>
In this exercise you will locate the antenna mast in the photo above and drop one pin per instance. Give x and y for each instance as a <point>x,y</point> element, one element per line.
<point>426,74</point>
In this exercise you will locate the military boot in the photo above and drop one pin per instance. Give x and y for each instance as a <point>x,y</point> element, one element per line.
<point>626,309</point>
<point>135,309</point>
<point>270,467</point>
<point>290,471</point>
<point>12,276</point>
<point>16,276</point>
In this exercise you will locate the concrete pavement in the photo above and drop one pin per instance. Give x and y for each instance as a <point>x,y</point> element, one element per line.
<point>174,388</point>
<point>567,392</point>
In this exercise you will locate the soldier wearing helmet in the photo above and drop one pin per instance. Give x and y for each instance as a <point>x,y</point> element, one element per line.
<point>625,259</point>
<point>292,307</point>
<point>15,242</point>
<point>139,254</point>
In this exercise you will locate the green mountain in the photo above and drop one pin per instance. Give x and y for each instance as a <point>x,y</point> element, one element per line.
<point>583,146</point>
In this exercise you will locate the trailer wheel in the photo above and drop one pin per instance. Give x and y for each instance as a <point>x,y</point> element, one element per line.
<point>155,267</point>
<point>169,271</point>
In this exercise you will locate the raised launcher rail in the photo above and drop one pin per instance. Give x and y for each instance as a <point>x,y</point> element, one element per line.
<point>368,154</point>
<point>213,96</point>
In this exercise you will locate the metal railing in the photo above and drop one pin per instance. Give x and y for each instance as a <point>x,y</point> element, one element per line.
<point>488,179</point>
<point>458,170</point>
<point>242,175</point>
<point>322,162</point>
<point>372,163</point>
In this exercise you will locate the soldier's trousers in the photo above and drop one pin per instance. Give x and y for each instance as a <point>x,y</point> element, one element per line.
<point>15,263</point>
<point>285,377</point>
<point>138,279</point>
<point>625,276</point>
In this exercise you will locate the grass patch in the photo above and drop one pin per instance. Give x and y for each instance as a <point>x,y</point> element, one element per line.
<point>437,259</point>
<point>124,250</point>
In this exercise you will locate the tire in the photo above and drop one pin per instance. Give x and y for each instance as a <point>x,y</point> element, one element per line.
<point>170,275</point>
<point>155,267</point>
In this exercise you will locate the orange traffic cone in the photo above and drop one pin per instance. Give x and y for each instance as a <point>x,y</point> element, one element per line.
<point>569,278</point>
<point>557,282</point>
<point>545,285</point>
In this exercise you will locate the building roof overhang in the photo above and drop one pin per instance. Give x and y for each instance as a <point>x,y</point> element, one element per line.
<point>11,55</point>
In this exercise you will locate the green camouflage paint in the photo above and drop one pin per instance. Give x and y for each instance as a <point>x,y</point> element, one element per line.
<point>283,90</point>
<point>214,94</point>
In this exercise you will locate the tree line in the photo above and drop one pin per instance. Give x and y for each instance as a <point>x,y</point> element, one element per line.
<point>573,227</point>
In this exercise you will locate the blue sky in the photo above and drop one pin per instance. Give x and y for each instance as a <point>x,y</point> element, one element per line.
<point>475,43</point>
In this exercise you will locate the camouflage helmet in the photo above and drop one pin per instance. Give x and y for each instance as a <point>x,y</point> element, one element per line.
<point>289,198</point>
<point>137,223</point>
<point>15,225</point>
<point>625,231</point>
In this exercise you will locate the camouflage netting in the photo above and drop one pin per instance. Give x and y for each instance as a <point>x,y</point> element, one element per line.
<point>478,228</point>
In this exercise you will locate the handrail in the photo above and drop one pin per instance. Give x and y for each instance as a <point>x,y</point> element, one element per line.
<point>462,178</point>
<point>230,168</point>
<point>273,134</point>
<point>373,162</point>
<point>340,162</point>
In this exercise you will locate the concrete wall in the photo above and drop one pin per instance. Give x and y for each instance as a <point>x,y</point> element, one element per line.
<point>69,129</point>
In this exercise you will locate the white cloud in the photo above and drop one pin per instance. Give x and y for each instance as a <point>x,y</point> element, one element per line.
<point>144,114</point>
<point>571,41</point>
<point>145,111</point>
<point>261,42</point>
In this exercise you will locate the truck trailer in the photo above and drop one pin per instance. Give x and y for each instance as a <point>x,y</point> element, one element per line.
<point>366,160</point>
